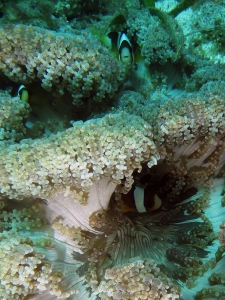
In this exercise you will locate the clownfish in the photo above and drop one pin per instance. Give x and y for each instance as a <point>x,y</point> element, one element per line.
<point>120,46</point>
<point>23,93</point>
<point>140,200</point>
<point>125,49</point>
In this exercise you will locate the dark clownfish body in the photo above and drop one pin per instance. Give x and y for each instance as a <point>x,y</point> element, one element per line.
<point>141,200</point>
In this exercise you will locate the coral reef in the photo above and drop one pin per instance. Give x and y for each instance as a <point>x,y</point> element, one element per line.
<point>151,282</point>
<point>77,157</point>
<point>222,234</point>
<point>72,9</point>
<point>13,115</point>
<point>81,168</point>
<point>18,266</point>
<point>161,46</point>
<point>77,64</point>
<point>35,12</point>
<point>95,139</point>
<point>25,271</point>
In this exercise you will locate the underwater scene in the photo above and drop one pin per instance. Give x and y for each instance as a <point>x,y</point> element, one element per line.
<point>112,149</point>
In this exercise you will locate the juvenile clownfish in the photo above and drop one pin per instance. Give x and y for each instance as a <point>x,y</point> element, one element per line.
<point>141,200</point>
<point>23,93</point>
<point>125,49</point>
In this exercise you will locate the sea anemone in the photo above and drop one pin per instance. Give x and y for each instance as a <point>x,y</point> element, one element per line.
<point>71,237</point>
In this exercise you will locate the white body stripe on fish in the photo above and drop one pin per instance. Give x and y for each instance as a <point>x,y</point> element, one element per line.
<point>139,195</point>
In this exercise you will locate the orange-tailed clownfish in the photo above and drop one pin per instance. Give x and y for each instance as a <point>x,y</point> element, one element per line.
<point>141,200</point>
